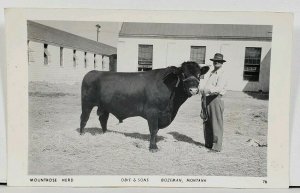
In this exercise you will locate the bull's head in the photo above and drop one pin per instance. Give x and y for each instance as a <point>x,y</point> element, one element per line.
<point>191,73</point>
<point>189,76</point>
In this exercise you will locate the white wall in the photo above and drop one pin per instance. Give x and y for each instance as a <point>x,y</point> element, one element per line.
<point>55,73</point>
<point>168,52</point>
<point>98,62</point>
<point>105,63</point>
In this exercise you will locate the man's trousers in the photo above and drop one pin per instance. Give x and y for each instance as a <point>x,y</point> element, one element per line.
<point>213,127</point>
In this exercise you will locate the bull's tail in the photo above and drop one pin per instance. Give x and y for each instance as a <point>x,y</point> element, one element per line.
<point>88,98</point>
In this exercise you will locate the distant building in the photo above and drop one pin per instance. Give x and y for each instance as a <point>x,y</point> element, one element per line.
<point>246,48</point>
<point>61,57</point>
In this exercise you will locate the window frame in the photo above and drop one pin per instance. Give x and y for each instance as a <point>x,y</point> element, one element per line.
<point>145,64</point>
<point>251,70</point>
<point>193,55</point>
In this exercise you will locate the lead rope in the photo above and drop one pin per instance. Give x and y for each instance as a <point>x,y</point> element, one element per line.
<point>204,113</point>
<point>177,83</point>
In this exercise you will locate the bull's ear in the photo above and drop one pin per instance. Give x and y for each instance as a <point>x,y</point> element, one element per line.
<point>171,77</point>
<point>174,70</point>
<point>204,70</point>
<point>171,71</point>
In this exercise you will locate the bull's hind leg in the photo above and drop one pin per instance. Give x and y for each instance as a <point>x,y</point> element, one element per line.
<point>86,111</point>
<point>103,117</point>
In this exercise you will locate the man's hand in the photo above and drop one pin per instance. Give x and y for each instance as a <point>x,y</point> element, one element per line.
<point>205,91</point>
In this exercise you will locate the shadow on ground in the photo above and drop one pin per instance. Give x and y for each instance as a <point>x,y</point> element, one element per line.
<point>184,138</point>
<point>258,95</point>
<point>145,137</point>
<point>91,130</point>
<point>98,131</point>
<point>49,94</point>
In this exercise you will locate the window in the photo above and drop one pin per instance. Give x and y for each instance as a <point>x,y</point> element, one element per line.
<point>46,54</point>
<point>95,61</point>
<point>103,62</point>
<point>85,60</point>
<point>145,57</point>
<point>74,58</point>
<point>61,56</point>
<point>252,63</point>
<point>198,54</point>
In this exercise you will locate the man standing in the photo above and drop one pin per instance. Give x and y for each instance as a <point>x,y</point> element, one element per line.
<point>213,108</point>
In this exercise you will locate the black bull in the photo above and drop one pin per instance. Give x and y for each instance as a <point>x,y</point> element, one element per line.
<point>154,95</point>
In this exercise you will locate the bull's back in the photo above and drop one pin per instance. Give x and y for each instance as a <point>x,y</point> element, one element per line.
<point>122,94</point>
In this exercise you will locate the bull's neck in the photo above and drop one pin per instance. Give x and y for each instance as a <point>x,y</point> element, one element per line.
<point>179,98</point>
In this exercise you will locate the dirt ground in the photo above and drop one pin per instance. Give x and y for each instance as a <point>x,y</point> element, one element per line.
<point>56,148</point>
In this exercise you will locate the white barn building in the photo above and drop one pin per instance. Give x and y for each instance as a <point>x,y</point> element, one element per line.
<point>57,56</point>
<point>246,48</point>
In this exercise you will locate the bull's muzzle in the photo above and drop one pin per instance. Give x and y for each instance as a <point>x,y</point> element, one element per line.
<point>194,91</point>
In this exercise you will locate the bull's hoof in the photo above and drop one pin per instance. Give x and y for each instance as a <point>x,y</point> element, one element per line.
<point>82,133</point>
<point>153,150</point>
<point>213,151</point>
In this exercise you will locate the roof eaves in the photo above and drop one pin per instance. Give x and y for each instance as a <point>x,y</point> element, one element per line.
<point>267,38</point>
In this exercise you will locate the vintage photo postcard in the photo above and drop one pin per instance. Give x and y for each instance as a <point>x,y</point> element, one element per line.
<point>118,98</point>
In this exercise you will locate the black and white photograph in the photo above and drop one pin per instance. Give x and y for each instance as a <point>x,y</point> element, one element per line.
<point>148,98</point>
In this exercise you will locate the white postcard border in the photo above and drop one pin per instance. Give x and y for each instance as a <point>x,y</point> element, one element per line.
<point>17,92</point>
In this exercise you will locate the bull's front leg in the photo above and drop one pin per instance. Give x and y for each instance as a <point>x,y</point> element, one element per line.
<point>153,127</point>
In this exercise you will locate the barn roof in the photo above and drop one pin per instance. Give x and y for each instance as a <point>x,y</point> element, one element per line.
<point>49,35</point>
<point>197,31</point>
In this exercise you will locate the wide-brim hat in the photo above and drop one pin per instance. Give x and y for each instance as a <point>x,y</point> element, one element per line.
<point>218,57</point>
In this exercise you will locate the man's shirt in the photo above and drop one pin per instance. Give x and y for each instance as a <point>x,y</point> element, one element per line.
<point>216,82</point>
